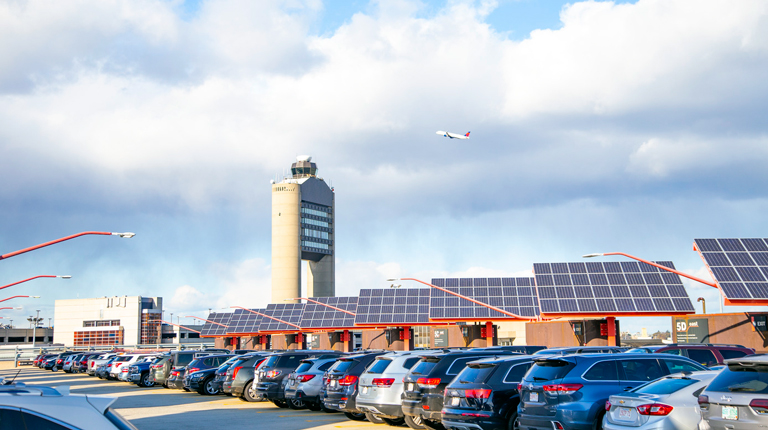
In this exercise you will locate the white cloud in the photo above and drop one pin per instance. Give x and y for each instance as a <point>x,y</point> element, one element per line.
<point>187,298</point>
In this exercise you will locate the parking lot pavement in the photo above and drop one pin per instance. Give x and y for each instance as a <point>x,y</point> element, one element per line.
<point>160,408</point>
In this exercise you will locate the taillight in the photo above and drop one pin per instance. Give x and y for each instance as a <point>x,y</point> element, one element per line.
<point>92,363</point>
<point>175,373</point>
<point>273,373</point>
<point>118,365</point>
<point>383,382</point>
<point>475,414</point>
<point>234,373</point>
<point>479,393</point>
<point>760,406</point>
<point>109,365</point>
<point>348,380</point>
<point>519,387</point>
<point>304,378</point>
<point>703,401</point>
<point>428,382</point>
<point>607,405</point>
<point>192,370</point>
<point>654,409</point>
<point>562,388</point>
<point>58,361</point>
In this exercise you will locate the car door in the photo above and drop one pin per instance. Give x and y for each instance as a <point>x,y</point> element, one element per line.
<point>637,371</point>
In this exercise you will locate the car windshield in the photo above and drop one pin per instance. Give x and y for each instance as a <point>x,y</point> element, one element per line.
<point>342,366</point>
<point>423,367</point>
<point>547,370</point>
<point>665,385</point>
<point>379,366</point>
<point>475,374</point>
<point>303,367</point>
<point>271,361</point>
<point>739,377</point>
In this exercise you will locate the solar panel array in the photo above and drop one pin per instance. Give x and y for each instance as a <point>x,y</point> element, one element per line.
<point>609,288</point>
<point>319,316</point>
<point>288,312</point>
<point>244,322</point>
<point>740,266</point>
<point>514,295</point>
<point>393,306</point>
<point>210,329</point>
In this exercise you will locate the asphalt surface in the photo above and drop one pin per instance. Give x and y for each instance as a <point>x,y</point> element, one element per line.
<point>158,408</point>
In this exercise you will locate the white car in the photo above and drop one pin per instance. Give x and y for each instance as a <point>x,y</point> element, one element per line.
<point>124,362</point>
<point>39,407</point>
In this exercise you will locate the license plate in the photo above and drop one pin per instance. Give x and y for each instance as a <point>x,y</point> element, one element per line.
<point>533,396</point>
<point>410,386</point>
<point>364,390</point>
<point>333,383</point>
<point>625,414</point>
<point>455,401</point>
<point>730,413</point>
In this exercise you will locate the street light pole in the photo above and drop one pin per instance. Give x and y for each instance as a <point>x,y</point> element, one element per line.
<point>32,248</point>
<point>34,328</point>
<point>35,277</point>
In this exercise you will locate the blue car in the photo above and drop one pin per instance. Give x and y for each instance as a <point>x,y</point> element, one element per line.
<point>569,392</point>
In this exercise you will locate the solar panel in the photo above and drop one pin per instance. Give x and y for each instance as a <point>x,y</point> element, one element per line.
<point>514,295</point>
<point>210,329</point>
<point>288,312</point>
<point>389,306</point>
<point>319,316</point>
<point>244,322</point>
<point>740,266</point>
<point>626,287</point>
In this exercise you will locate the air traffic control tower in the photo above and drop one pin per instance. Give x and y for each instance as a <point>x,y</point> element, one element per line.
<point>302,229</point>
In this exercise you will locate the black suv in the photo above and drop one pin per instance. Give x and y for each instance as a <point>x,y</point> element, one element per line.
<point>240,377</point>
<point>340,388</point>
<point>278,366</point>
<point>201,371</point>
<point>484,395</point>
<point>175,360</point>
<point>426,382</point>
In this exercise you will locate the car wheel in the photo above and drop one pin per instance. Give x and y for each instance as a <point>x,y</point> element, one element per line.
<point>248,394</point>
<point>373,419</point>
<point>314,407</point>
<point>415,423</point>
<point>394,422</point>
<point>280,403</point>
<point>54,369</point>
<point>433,425</point>
<point>598,425</point>
<point>146,381</point>
<point>355,416</point>
<point>327,410</point>
<point>511,422</point>
<point>208,387</point>
<point>296,404</point>
<point>186,389</point>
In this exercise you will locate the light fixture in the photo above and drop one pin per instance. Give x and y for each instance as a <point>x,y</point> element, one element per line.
<point>126,235</point>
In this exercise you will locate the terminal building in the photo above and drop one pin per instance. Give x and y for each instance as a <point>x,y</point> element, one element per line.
<point>302,230</point>
<point>120,320</point>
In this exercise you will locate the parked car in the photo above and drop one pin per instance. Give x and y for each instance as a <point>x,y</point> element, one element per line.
<point>138,373</point>
<point>69,361</point>
<point>95,362</point>
<point>82,364</point>
<point>58,362</point>
<point>381,386</point>
<point>221,373</point>
<point>241,378</point>
<point>276,367</point>
<point>201,371</point>
<point>121,365</point>
<point>706,354</point>
<point>569,392</point>
<point>485,395</point>
<point>174,360</point>
<point>102,371</point>
<point>306,382</point>
<point>40,407</point>
<point>737,398</point>
<point>341,386</point>
<point>670,402</point>
<point>582,350</point>
<point>425,383</point>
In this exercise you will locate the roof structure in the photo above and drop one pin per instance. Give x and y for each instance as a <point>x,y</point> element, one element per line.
<point>393,306</point>
<point>317,316</point>
<point>243,322</point>
<point>739,267</point>
<point>219,325</point>
<point>513,295</point>
<point>281,317</point>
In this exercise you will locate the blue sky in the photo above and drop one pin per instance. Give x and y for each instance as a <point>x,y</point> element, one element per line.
<point>596,127</point>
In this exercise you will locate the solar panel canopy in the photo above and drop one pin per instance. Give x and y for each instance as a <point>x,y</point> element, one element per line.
<point>220,328</point>
<point>319,316</point>
<point>614,288</point>
<point>740,266</point>
<point>281,314</point>
<point>244,322</point>
<point>514,295</point>
<point>393,306</point>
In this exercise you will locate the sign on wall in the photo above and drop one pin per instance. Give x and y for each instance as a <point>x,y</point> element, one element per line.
<point>441,337</point>
<point>692,330</point>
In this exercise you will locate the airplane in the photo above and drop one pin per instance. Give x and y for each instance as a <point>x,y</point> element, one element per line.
<point>454,135</point>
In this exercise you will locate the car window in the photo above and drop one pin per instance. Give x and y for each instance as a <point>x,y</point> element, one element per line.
<point>517,372</point>
<point>10,419</point>
<point>410,362</point>
<point>677,366</point>
<point>703,356</point>
<point>739,378</point>
<point>183,359</point>
<point>39,423</point>
<point>474,374</point>
<point>379,366</point>
<point>731,353</point>
<point>602,371</point>
<point>459,364</point>
<point>674,351</point>
<point>325,366</point>
<point>641,370</point>
<point>423,367</point>
<point>666,386</point>
<point>548,370</point>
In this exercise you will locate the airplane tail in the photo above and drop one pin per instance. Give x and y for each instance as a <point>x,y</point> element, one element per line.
<point>467,135</point>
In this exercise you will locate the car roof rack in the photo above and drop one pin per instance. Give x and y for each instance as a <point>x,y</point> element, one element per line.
<point>705,344</point>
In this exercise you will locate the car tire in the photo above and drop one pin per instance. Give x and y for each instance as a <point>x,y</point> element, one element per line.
<point>327,410</point>
<point>355,416</point>
<point>296,404</point>
<point>280,403</point>
<point>598,424</point>
<point>512,420</point>
<point>314,407</point>
<point>186,389</point>
<point>54,369</point>
<point>415,423</point>
<point>146,381</point>
<point>248,395</point>
<point>207,387</point>
<point>433,425</point>
<point>394,422</point>
<point>373,419</point>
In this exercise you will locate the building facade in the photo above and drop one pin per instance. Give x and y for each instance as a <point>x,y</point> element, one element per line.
<point>302,230</point>
<point>190,333</point>
<point>120,320</point>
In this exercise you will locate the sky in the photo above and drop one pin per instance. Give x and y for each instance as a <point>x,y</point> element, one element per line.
<point>597,126</point>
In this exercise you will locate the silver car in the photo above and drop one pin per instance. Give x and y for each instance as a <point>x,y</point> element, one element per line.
<point>381,385</point>
<point>42,407</point>
<point>737,399</point>
<point>69,361</point>
<point>304,383</point>
<point>668,403</point>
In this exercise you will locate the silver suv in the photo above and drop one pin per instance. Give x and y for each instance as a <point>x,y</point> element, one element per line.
<point>382,384</point>
<point>737,399</point>
<point>304,383</point>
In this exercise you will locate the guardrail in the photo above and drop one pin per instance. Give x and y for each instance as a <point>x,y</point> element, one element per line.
<point>24,355</point>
